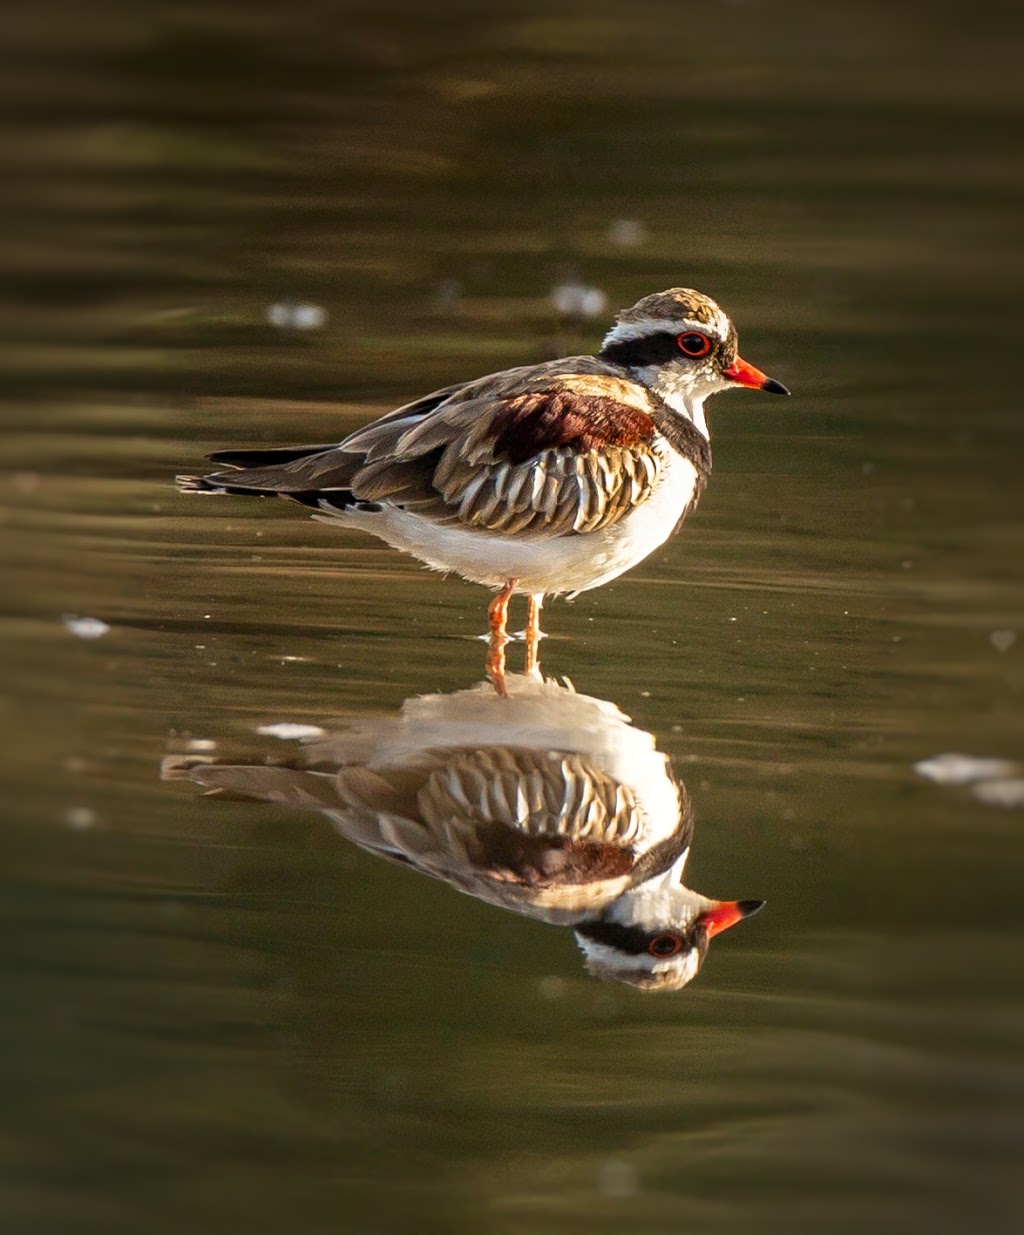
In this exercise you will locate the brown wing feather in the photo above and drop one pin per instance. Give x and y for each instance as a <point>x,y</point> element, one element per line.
<point>530,423</point>
<point>505,816</point>
<point>537,792</point>
<point>547,450</point>
<point>533,817</point>
<point>540,463</point>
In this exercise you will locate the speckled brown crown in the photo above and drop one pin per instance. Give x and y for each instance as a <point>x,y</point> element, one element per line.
<point>676,302</point>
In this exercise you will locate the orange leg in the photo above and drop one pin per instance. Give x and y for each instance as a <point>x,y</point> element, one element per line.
<point>534,634</point>
<point>497,610</point>
<point>497,613</point>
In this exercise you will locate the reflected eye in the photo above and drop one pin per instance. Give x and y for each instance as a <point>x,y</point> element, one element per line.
<point>692,343</point>
<point>665,945</point>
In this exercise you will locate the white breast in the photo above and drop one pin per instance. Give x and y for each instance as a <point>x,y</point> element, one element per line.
<point>561,564</point>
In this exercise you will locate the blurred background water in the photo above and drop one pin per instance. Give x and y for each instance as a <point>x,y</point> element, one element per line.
<point>263,223</point>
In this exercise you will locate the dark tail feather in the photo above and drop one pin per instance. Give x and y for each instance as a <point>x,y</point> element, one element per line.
<point>217,483</point>
<point>267,458</point>
<point>318,499</point>
<point>293,472</point>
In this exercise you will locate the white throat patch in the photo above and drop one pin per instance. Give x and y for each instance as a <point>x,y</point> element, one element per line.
<point>678,393</point>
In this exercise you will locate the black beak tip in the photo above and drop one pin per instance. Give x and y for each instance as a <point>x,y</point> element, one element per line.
<point>749,907</point>
<point>772,387</point>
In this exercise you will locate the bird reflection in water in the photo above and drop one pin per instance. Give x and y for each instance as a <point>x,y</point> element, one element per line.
<point>546,802</point>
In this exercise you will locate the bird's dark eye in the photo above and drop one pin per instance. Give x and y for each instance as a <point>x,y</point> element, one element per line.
<point>693,343</point>
<point>665,945</point>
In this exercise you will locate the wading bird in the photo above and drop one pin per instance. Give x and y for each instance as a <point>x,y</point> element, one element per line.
<point>545,479</point>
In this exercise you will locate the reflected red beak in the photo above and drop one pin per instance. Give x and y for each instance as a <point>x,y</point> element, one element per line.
<point>744,374</point>
<point>727,913</point>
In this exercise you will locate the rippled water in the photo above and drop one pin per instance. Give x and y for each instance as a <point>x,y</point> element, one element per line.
<point>219,1011</point>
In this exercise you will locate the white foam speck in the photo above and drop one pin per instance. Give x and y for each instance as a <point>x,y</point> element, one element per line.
<point>292,315</point>
<point>627,232</point>
<point>289,730</point>
<point>956,769</point>
<point>573,299</point>
<point>1008,792</point>
<point>85,627</point>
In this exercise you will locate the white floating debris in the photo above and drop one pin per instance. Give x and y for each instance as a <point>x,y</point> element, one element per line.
<point>1003,640</point>
<point>202,744</point>
<point>80,818</point>
<point>627,232</point>
<point>573,299</point>
<point>309,317</point>
<point>85,627</point>
<point>955,769</point>
<point>293,315</point>
<point>1009,792</point>
<point>289,730</point>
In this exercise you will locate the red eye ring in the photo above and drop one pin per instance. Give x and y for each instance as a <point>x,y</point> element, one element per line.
<point>693,343</point>
<point>664,946</point>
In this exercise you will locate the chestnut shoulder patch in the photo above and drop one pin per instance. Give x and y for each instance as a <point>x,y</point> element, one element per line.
<point>510,856</point>
<point>528,424</point>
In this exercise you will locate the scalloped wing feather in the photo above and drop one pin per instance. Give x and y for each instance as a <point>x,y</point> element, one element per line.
<point>537,464</point>
<point>555,449</point>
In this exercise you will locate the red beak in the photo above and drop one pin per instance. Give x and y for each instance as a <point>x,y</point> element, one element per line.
<point>726,914</point>
<point>744,374</point>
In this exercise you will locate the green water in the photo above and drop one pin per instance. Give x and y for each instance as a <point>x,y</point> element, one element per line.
<point>218,1012</point>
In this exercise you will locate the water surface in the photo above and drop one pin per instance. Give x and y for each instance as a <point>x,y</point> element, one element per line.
<point>219,1012</point>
